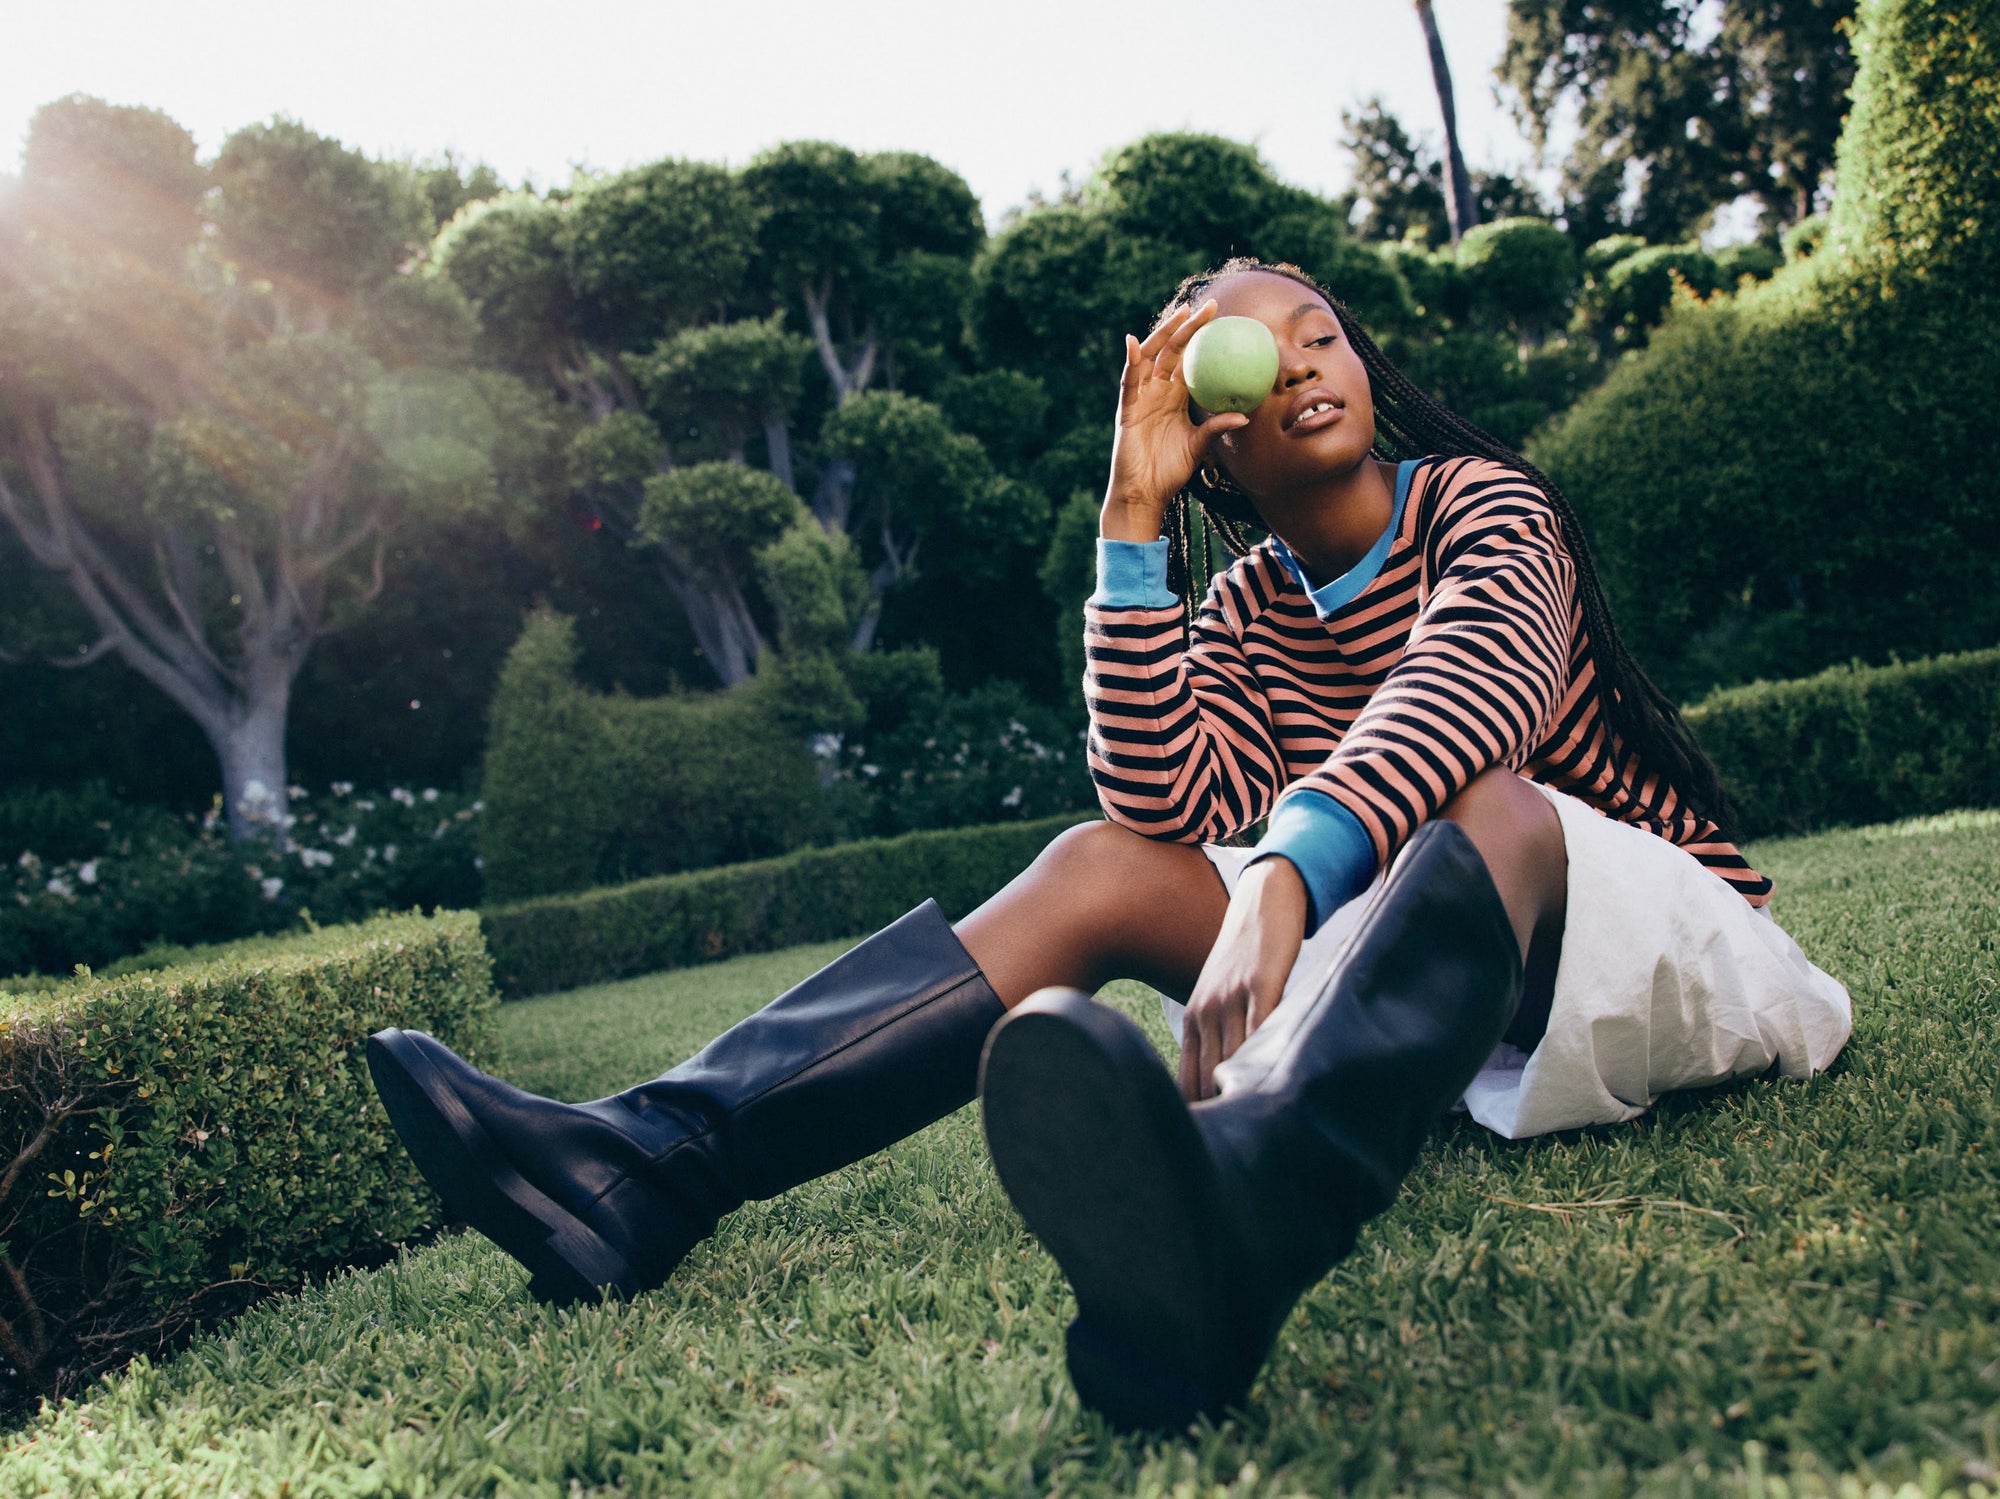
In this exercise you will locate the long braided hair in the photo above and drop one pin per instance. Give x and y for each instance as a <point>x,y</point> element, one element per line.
<point>1410,424</point>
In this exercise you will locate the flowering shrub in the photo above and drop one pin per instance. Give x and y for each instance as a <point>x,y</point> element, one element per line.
<point>963,759</point>
<point>88,879</point>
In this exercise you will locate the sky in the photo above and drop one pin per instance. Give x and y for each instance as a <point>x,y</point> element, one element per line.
<point>1011,96</point>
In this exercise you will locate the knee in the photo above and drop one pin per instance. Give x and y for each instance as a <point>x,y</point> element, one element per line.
<point>1495,792</point>
<point>1499,806</point>
<point>1089,852</point>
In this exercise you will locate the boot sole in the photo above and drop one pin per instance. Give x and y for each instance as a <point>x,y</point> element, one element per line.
<point>567,1261</point>
<point>1096,1147</point>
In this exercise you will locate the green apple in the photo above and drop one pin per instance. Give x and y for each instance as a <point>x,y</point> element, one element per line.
<point>1231,364</point>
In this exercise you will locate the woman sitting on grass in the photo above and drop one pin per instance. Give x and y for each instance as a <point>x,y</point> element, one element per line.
<point>1493,873</point>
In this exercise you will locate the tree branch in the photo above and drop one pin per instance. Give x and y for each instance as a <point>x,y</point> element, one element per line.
<point>105,645</point>
<point>172,573</point>
<point>816,300</point>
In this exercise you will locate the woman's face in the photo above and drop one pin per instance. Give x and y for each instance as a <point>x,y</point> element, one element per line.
<point>1318,422</point>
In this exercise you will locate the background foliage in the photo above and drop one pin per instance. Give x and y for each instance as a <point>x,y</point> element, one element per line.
<point>1794,475</point>
<point>181,1142</point>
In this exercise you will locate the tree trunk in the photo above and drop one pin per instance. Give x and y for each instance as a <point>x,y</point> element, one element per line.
<point>1458,200</point>
<point>833,500</point>
<point>724,631</point>
<point>778,445</point>
<point>251,752</point>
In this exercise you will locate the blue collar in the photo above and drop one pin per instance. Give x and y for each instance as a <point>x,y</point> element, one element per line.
<point>1346,588</point>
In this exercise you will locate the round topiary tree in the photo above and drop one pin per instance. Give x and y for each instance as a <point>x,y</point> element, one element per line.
<point>1800,473</point>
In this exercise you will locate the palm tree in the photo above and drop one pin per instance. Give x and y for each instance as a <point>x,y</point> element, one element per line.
<point>1458,200</point>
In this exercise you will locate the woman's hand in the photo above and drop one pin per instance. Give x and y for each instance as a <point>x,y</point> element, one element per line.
<point>1157,448</point>
<point>1244,977</point>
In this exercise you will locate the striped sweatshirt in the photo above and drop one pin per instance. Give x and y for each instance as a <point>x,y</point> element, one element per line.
<point>1466,651</point>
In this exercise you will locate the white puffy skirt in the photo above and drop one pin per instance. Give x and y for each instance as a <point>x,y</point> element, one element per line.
<point>1668,979</point>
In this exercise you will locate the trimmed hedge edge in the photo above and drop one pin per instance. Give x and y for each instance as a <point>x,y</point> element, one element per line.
<point>557,942</point>
<point>182,1142</point>
<point>1857,744</point>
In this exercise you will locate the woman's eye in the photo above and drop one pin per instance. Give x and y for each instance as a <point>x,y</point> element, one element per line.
<point>1325,338</point>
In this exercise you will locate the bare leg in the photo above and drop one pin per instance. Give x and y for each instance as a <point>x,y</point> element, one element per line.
<point>1520,837</point>
<point>1101,902</point>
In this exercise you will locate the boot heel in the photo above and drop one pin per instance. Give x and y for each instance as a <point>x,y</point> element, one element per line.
<point>1127,1389</point>
<point>566,1261</point>
<point>1097,1150</point>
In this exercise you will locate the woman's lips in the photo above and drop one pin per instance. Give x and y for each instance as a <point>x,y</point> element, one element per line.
<point>1312,421</point>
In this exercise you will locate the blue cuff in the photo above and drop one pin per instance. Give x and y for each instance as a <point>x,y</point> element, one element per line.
<point>1327,844</point>
<point>1132,575</point>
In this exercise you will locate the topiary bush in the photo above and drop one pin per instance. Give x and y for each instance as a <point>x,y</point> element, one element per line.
<point>586,788</point>
<point>1521,273</point>
<point>183,1141</point>
<point>1800,473</point>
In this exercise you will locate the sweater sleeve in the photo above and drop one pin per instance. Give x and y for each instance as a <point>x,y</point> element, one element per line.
<point>1181,744</point>
<point>1487,661</point>
<point>1326,843</point>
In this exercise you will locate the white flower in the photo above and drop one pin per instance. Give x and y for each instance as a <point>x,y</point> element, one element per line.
<point>315,858</point>
<point>87,872</point>
<point>344,839</point>
<point>388,853</point>
<point>477,862</point>
<point>1012,798</point>
<point>871,771</point>
<point>403,796</point>
<point>479,806</point>
<point>255,792</point>
<point>271,885</point>
<point>60,886</point>
<point>296,793</point>
<point>824,746</point>
<point>430,793</point>
<point>30,862</point>
<point>440,830</point>
<point>366,804</point>
<point>1015,726</point>
<point>343,788</point>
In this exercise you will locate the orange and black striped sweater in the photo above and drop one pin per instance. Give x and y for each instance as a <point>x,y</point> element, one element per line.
<point>1467,650</point>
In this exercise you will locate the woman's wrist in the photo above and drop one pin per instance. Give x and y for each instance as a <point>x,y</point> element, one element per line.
<point>1273,894</point>
<point>1128,520</point>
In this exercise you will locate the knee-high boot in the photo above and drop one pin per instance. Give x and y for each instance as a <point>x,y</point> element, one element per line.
<point>1188,1233</point>
<point>873,1047</point>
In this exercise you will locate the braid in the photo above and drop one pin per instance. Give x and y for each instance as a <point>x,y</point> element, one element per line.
<point>1410,424</point>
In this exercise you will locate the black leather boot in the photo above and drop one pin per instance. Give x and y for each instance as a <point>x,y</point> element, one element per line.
<point>879,1043</point>
<point>1188,1233</point>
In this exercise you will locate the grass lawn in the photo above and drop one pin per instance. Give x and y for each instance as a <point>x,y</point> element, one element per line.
<point>1782,1278</point>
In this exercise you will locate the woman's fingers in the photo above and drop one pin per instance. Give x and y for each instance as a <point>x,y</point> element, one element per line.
<point>1157,339</point>
<point>1190,1056</point>
<point>1169,360</point>
<point>1235,1026</point>
<point>1206,434</point>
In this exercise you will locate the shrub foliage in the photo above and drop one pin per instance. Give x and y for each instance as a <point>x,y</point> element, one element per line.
<point>561,941</point>
<point>87,878</point>
<point>180,1142</point>
<point>585,788</point>
<point>1798,474</point>
<point>1858,744</point>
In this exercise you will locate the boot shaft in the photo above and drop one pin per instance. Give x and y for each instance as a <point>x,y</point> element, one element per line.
<point>1324,1109</point>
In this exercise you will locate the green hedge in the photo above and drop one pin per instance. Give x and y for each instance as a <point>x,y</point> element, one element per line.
<point>561,941</point>
<point>183,1141</point>
<point>1799,474</point>
<point>1857,744</point>
<point>586,788</point>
